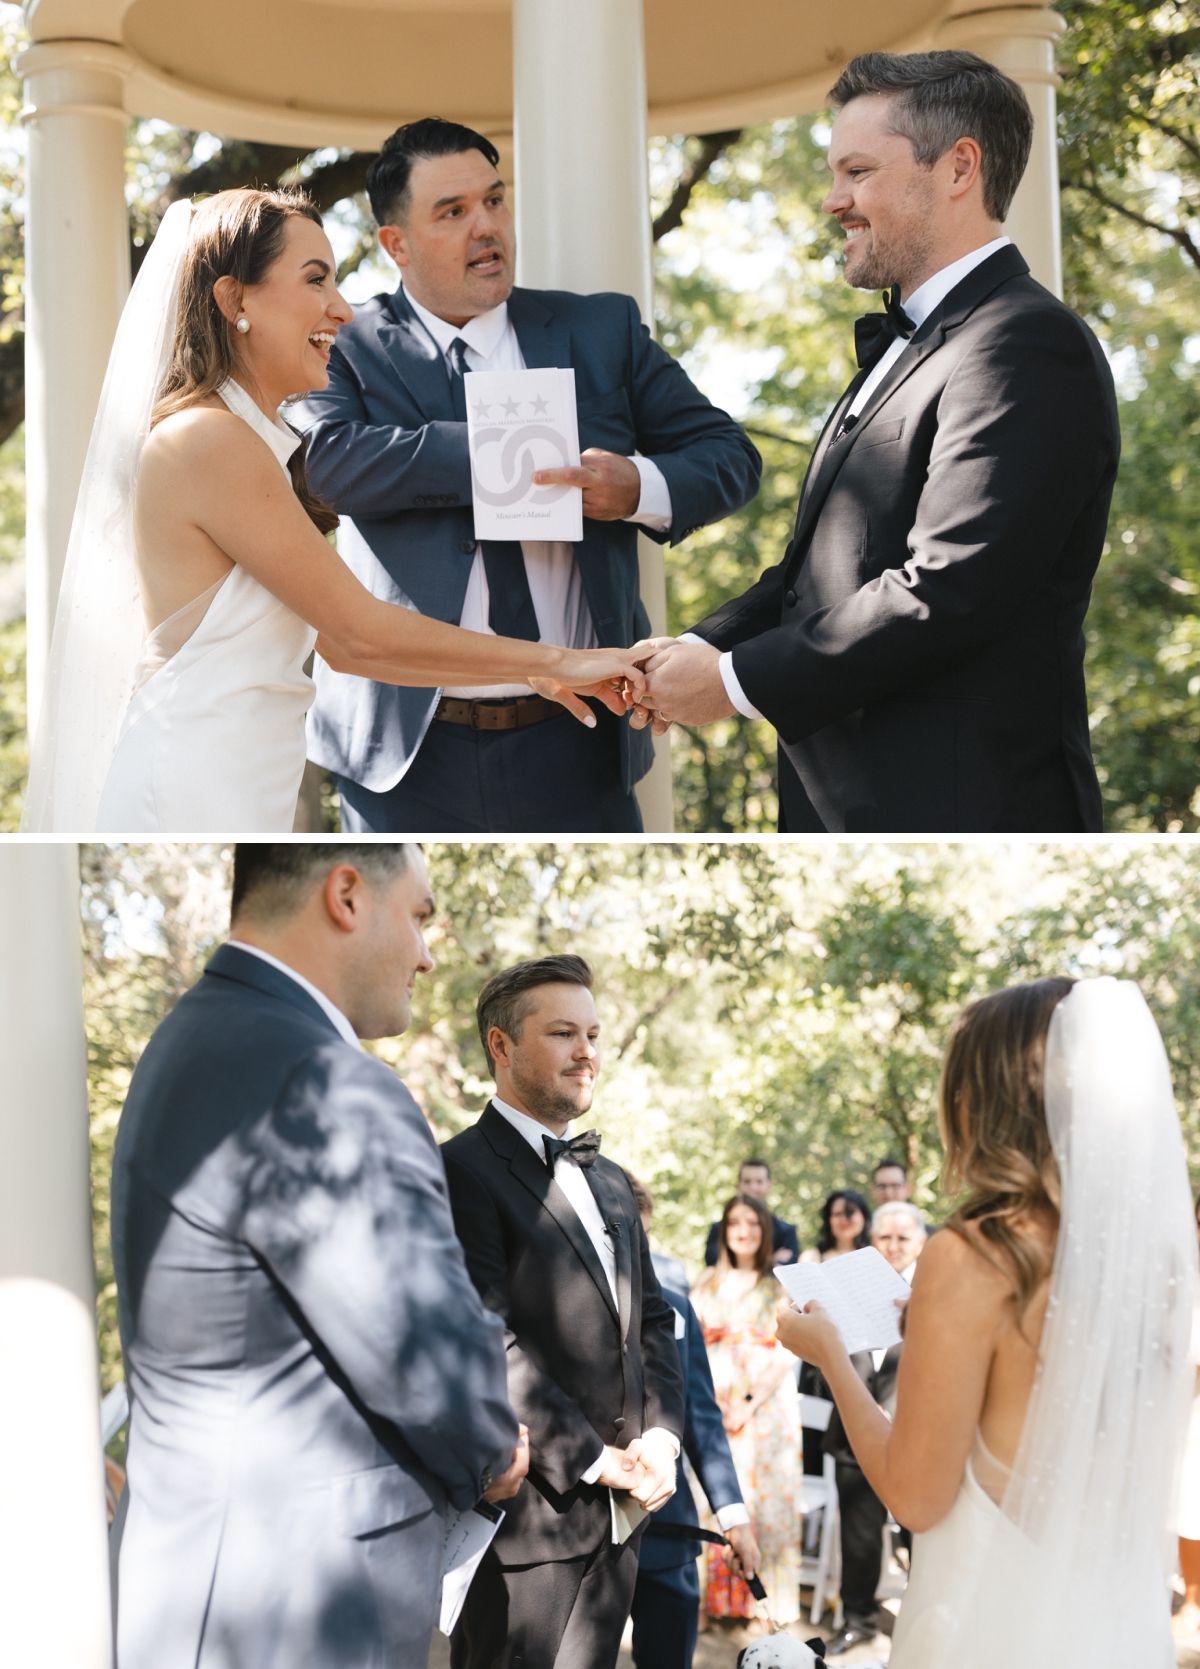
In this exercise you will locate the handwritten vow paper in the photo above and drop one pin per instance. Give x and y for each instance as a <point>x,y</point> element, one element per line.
<point>858,1291</point>
<point>519,421</point>
<point>468,1535</point>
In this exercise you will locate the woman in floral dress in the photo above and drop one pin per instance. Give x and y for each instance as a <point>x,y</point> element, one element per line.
<point>753,1379</point>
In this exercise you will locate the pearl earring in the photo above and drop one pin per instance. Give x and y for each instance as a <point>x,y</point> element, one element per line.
<point>242,326</point>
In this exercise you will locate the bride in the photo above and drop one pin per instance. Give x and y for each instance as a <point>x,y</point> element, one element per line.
<point>198,577</point>
<point>1044,1384</point>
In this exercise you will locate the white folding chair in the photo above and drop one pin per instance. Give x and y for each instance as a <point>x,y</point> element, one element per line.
<point>820,1537</point>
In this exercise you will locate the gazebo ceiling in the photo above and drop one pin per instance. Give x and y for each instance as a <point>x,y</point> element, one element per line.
<point>346,72</point>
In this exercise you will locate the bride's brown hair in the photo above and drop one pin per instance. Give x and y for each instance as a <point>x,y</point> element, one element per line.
<point>993,1124</point>
<point>236,234</point>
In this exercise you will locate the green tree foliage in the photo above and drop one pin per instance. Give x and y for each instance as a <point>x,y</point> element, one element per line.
<point>790,1000</point>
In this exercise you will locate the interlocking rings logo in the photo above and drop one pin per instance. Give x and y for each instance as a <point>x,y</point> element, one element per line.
<point>516,454</point>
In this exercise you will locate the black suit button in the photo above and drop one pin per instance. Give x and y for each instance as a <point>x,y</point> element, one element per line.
<point>789,598</point>
<point>619,1423</point>
<point>467,547</point>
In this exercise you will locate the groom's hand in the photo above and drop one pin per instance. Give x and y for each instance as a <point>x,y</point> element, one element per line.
<point>612,487</point>
<point>657,1485</point>
<point>684,685</point>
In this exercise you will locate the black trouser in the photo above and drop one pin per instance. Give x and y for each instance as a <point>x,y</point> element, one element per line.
<point>666,1617</point>
<point>863,1517</point>
<point>566,1615</point>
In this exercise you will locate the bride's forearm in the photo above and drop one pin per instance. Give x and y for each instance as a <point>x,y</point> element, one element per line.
<point>422,653</point>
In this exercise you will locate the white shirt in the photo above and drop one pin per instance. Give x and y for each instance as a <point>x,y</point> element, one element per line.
<point>918,306</point>
<point>571,1180</point>
<point>331,1009</point>
<point>555,583</point>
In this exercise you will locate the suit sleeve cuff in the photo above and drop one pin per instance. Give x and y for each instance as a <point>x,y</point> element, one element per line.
<point>665,1435</point>
<point>594,1470</point>
<point>728,1518</point>
<point>654,506</point>
<point>733,688</point>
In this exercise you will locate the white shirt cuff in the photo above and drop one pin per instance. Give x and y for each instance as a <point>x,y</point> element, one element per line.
<point>733,689</point>
<point>667,1437</point>
<point>728,1518</point>
<point>691,637</point>
<point>654,506</point>
<point>595,1469</point>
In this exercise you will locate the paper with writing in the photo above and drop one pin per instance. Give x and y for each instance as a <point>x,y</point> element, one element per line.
<point>467,1537</point>
<point>518,422</point>
<point>858,1292</point>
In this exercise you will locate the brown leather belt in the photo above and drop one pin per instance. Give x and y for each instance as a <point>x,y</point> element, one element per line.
<point>498,715</point>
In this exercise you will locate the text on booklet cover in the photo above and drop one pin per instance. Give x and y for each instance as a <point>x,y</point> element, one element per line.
<point>519,422</point>
<point>858,1292</point>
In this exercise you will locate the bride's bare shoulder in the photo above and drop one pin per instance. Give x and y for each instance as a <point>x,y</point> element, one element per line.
<point>958,1260</point>
<point>207,431</point>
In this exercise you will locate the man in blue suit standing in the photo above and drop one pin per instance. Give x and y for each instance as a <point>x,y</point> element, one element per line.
<point>667,1596</point>
<point>387,446</point>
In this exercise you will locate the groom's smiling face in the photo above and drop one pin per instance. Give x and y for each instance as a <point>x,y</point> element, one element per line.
<point>883,198</point>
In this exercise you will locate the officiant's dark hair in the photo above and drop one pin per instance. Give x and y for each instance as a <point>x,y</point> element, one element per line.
<point>504,1000</point>
<point>939,98</point>
<point>235,234</point>
<point>272,880</point>
<point>389,175</point>
<point>993,1124</point>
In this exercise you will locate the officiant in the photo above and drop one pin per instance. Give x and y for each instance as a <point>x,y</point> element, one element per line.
<point>387,447</point>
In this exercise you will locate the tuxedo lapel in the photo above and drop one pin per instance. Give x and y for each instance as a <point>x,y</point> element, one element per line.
<point>617,1221</point>
<point>542,339</point>
<point>416,359</point>
<point>532,1173</point>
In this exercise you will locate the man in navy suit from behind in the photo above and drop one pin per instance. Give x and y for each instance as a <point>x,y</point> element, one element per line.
<point>387,446</point>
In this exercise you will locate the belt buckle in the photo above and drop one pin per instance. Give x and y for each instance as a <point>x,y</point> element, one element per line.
<point>474,710</point>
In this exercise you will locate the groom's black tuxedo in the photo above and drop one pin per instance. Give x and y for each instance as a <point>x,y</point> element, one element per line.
<point>920,646</point>
<point>582,1372</point>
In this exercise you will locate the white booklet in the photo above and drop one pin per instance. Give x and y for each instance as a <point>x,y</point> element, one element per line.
<point>859,1292</point>
<point>467,1537</point>
<point>519,421</point>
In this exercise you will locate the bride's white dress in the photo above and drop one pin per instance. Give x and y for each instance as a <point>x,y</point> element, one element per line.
<point>213,738</point>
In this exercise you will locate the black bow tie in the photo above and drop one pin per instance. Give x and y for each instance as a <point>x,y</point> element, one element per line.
<point>580,1150</point>
<point>875,332</point>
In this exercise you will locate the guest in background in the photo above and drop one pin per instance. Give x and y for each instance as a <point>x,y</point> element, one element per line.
<point>756,1390</point>
<point>754,1179</point>
<point>889,1181</point>
<point>671,1272</point>
<point>667,1596</point>
<point>845,1224</point>
<point>1186,1620</point>
<point>899,1231</point>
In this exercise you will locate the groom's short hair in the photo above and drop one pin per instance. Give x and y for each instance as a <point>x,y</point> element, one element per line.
<point>272,881</point>
<point>939,98</point>
<point>504,1000</point>
<point>389,176</point>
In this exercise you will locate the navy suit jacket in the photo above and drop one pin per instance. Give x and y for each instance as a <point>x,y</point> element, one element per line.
<point>311,1373</point>
<point>385,450</point>
<point>704,1443</point>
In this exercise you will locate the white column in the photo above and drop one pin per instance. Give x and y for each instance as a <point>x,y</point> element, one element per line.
<point>1020,40</point>
<point>54,1605</point>
<point>583,202</point>
<point>76,281</point>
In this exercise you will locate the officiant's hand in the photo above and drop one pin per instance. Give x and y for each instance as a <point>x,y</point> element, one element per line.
<point>684,684</point>
<point>509,1482</point>
<point>612,487</point>
<point>657,1484</point>
<point>808,1334</point>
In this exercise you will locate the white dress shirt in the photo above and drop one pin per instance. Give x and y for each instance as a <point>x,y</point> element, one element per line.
<point>571,1180</point>
<point>331,1009</point>
<point>555,584</point>
<point>918,306</point>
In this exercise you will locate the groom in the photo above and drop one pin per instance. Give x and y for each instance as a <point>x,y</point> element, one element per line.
<point>387,446</point>
<point>919,647</point>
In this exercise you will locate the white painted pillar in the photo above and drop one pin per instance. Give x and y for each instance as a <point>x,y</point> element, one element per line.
<point>583,202</point>
<point>54,1598</point>
<point>76,281</point>
<point>1020,40</point>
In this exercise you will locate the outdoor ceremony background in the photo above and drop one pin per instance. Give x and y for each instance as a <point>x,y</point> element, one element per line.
<point>785,1000</point>
<point>749,295</point>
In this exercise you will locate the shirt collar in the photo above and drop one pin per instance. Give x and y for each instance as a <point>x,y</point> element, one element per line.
<point>927,296</point>
<point>525,1126</point>
<point>334,1013</point>
<point>481,333</point>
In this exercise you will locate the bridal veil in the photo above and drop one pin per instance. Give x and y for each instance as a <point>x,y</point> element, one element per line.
<point>1076,1571</point>
<point>98,624</point>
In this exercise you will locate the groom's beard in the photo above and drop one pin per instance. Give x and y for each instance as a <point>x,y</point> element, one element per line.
<point>880,260</point>
<point>554,1102</point>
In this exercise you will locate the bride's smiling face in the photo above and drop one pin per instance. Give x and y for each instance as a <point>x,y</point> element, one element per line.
<point>293,315</point>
